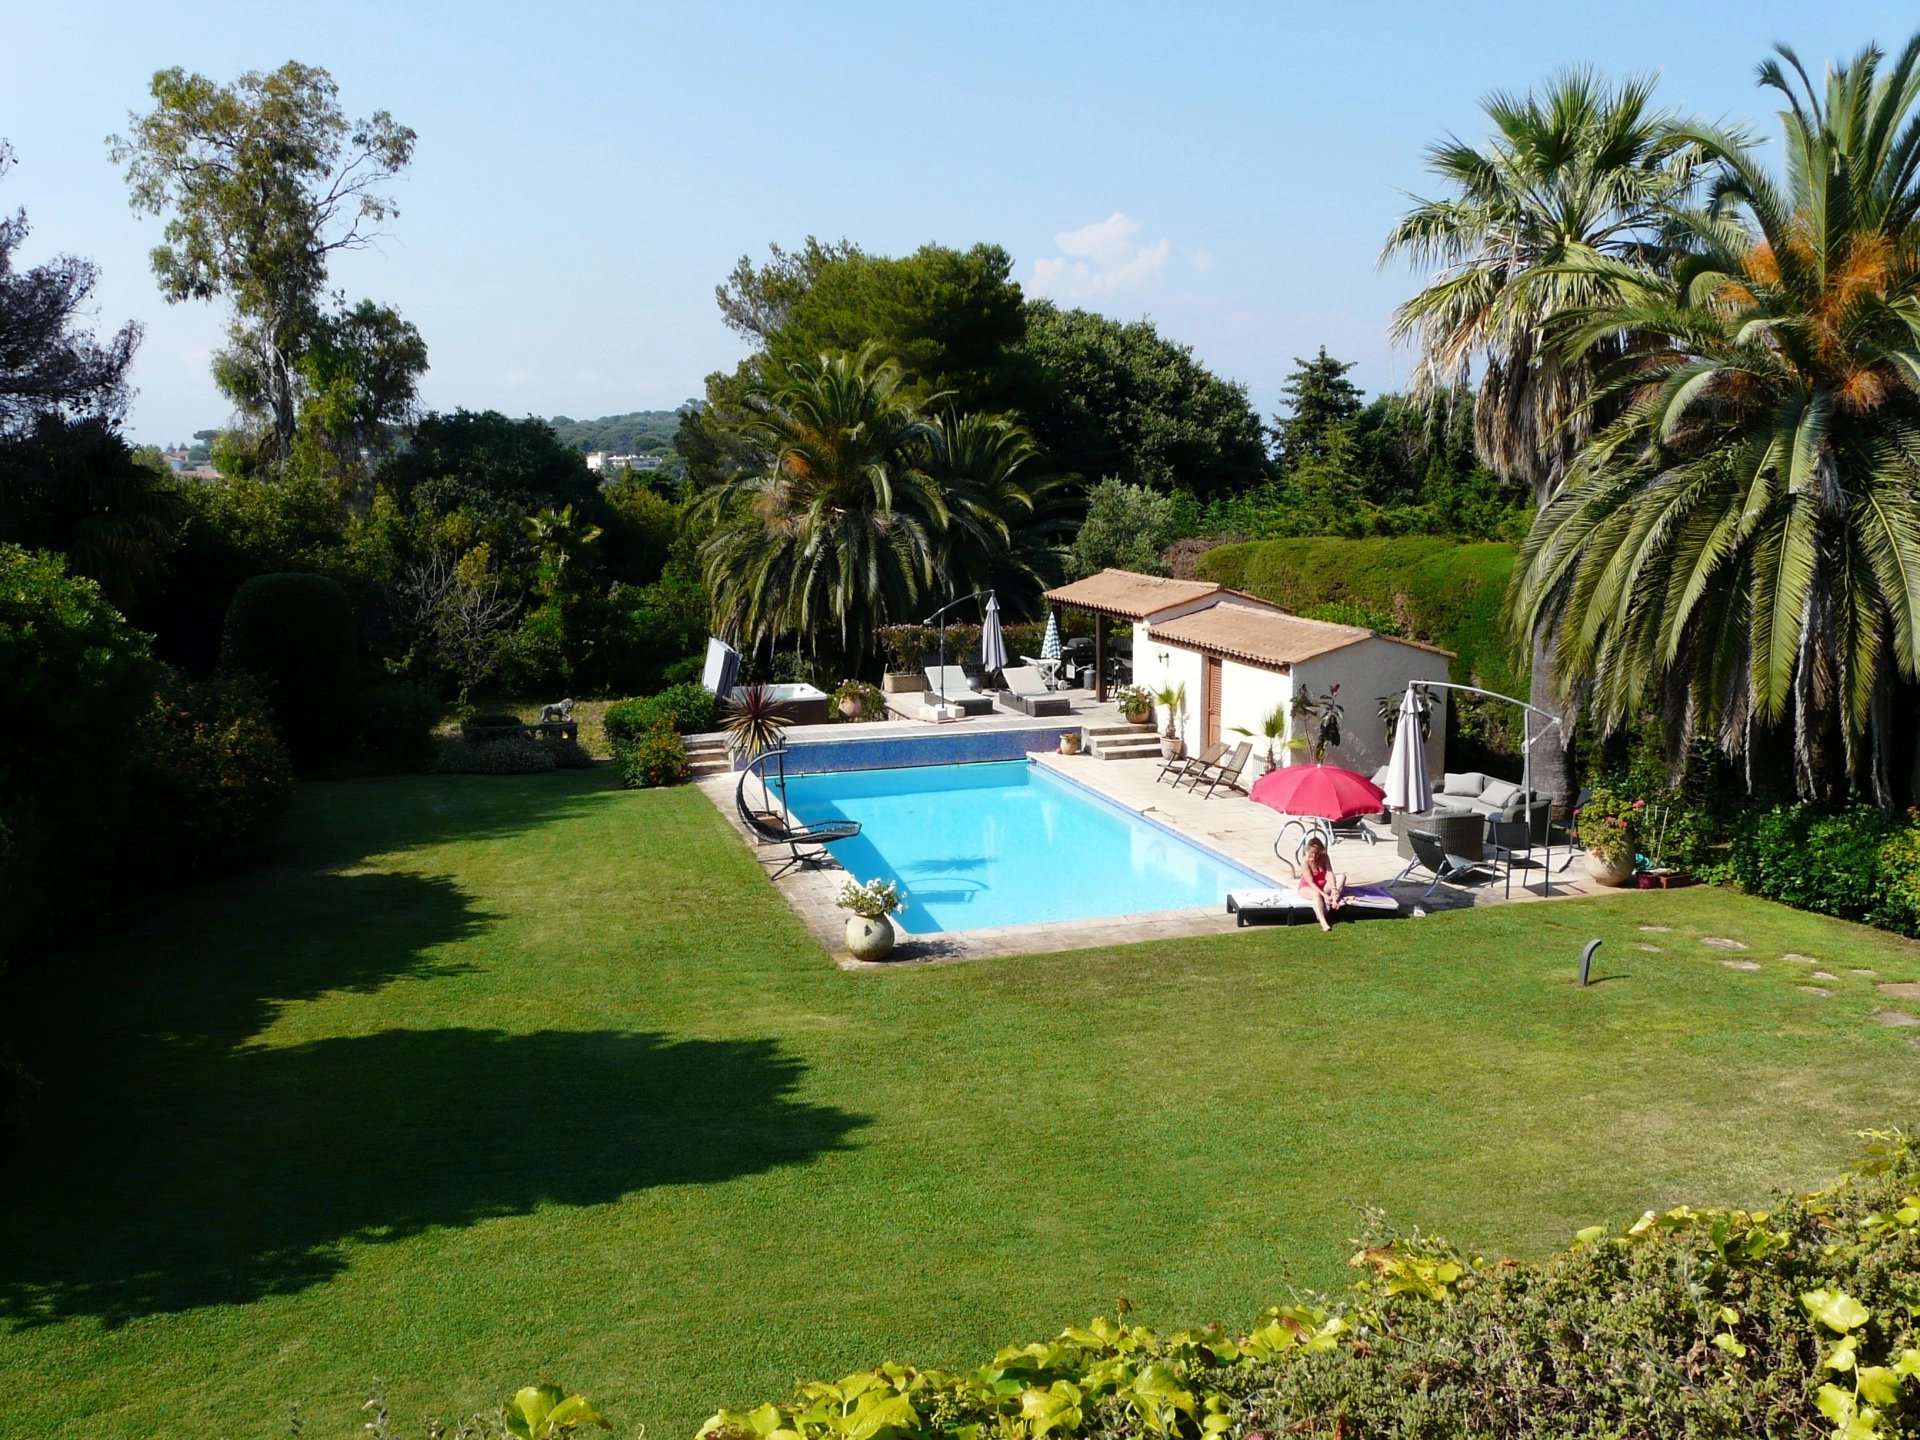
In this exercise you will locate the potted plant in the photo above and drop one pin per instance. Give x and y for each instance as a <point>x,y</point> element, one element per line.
<point>1605,827</point>
<point>906,646</point>
<point>870,933</point>
<point>1070,742</point>
<point>1136,703</point>
<point>857,700</point>
<point>754,721</point>
<point>1174,698</point>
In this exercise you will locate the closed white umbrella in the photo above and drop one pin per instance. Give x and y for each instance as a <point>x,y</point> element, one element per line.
<point>993,645</point>
<point>1409,786</point>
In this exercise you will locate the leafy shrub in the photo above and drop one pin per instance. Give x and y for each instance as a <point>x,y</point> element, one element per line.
<point>1345,612</point>
<point>1690,1323</point>
<point>658,757</point>
<point>295,634</point>
<point>567,754</point>
<point>1826,862</point>
<point>906,646</point>
<point>396,723</point>
<point>1609,825</point>
<point>688,709</point>
<point>1900,877</point>
<point>209,777</point>
<point>482,724</point>
<point>518,755</point>
<point>77,681</point>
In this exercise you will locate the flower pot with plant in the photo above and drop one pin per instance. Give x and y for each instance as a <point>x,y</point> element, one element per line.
<point>1606,827</point>
<point>857,700</point>
<point>1173,698</point>
<point>1070,742</point>
<point>1136,703</point>
<point>870,934</point>
<point>906,646</point>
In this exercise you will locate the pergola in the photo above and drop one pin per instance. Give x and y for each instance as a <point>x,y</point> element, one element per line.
<point>1124,595</point>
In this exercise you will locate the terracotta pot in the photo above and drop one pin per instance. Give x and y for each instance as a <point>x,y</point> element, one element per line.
<point>852,709</point>
<point>1070,743</point>
<point>1142,716</point>
<point>869,939</point>
<point>1172,749</point>
<point>1609,872</point>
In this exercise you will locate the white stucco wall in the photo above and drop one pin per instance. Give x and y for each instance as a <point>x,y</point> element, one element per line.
<point>1248,694</point>
<point>1364,672</point>
<point>1157,665</point>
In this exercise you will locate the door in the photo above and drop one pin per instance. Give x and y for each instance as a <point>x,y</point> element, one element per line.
<point>1210,703</point>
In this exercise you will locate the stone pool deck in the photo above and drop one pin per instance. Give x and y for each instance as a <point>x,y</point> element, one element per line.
<point>1230,825</point>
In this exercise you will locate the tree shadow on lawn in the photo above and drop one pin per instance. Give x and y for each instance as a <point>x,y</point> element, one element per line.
<point>286,1155</point>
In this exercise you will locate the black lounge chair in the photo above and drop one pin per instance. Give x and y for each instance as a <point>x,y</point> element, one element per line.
<point>806,844</point>
<point>1430,854</point>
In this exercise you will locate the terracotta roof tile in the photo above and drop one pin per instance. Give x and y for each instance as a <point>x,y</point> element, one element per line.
<point>1130,595</point>
<point>1263,634</point>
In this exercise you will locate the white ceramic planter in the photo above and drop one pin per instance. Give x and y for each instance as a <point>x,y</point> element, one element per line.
<point>1610,872</point>
<point>869,939</point>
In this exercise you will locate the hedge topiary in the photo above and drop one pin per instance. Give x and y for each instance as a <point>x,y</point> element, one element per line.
<point>295,634</point>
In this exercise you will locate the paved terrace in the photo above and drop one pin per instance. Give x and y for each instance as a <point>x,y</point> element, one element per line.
<point>1230,825</point>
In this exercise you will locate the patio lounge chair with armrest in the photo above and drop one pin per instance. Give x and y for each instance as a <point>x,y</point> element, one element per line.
<point>1182,766</point>
<point>1430,854</point>
<point>1224,771</point>
<point>1512,842</point>
<point>1028,693</point>
<point>953,679</point>
<point>806,844</point>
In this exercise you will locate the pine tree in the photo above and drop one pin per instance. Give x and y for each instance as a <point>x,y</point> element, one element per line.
<point>1320,401</point>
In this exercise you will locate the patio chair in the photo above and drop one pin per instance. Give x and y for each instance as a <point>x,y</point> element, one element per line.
<point>1028,693</point>
<point>1224,771</point>
<point>1430,854</point>
<point>806,844</point>
<point>953,680</point>
<point>1183,765</point>
<point>1512,842</point>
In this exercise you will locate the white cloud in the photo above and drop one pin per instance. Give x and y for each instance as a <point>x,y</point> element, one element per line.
<point>1100,260</point>
<point>1201,260</point>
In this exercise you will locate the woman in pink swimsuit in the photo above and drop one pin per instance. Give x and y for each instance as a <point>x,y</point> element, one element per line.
<point>1324,890</point>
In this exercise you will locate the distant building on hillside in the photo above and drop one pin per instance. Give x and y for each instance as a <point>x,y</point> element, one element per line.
<point>601,463</point>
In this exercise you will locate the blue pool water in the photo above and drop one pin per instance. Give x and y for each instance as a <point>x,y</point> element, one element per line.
<point>1007,844</point>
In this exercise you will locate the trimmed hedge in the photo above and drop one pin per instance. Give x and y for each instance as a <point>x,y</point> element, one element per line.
<point>1691,1323</point>
<point>688,709</point>
<point>1438,591</point>
<point>1853,864</point>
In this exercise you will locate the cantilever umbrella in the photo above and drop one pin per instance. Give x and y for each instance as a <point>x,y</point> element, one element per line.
<point>1318,792</point>
<point>993,645</point>
<point>1409,786</point>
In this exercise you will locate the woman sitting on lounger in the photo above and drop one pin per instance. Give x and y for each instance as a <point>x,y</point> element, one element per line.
<point>1325,891</point>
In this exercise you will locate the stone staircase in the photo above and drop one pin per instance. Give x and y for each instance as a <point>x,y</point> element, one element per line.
<point>708,757</point>
<point>1122,741</point>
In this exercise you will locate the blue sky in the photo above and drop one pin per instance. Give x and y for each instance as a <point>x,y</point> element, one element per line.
<point>586,174</point>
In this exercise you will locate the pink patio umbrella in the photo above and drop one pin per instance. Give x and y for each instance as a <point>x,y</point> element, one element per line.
<point>1321,792</point>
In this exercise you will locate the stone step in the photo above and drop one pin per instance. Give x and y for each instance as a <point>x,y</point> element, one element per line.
<point>1100,731</point>
<point>705,748</point>
<point>701,769</point>
<point>1129,750</point>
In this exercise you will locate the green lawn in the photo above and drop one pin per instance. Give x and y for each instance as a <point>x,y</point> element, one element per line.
<point>481,1081</point>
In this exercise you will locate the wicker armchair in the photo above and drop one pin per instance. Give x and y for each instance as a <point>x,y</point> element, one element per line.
<point>1463,832</point>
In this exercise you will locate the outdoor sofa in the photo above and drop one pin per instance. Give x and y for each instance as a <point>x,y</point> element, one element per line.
<point>1472,793</point>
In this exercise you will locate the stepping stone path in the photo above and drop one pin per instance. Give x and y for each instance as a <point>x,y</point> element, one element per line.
<point>1721,942</point>
<point>1819,990</point>
<point>1650,949</point>
<point>1800,959</point>
<point>1896,1017</point>
<point>1657,929</point>
<point>1863,972</point>
<point>1825,975</point>
<point>1902,990</point>
<point>1740,964</point>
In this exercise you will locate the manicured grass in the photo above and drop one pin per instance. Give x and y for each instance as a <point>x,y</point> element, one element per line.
<point>481,1081</point>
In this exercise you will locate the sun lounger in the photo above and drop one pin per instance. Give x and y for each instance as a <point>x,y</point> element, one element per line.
<point>960,695</point>
<point>1257,907</point>
<point>1184,765</point>
<point>1028,693</point>
<point>1225,771</point>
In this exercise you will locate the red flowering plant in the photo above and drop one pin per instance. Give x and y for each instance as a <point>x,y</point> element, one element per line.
<point>1608,824</point>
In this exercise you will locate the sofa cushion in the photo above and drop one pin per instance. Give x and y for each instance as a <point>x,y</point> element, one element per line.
<point>1499,793</point>
<point>1468,783</point>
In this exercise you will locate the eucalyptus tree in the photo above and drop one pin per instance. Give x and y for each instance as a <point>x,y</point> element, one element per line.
<point>263,181</point>
<point>1585,171</point>
<point>1742,539</point>
<point>836,527</point>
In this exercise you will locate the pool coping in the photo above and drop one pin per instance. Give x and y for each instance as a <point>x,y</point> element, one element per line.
<point>810,891</point>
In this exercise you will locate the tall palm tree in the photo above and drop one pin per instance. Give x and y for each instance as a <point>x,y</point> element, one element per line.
<point>1006,518</point>
<point>1585,171</point>
<point>1743,539</point>
<point>836,529</point>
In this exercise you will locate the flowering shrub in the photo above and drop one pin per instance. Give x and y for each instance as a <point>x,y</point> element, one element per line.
<point>872,900</point>
<point>1132,699</point>
<point>1608,824</point>
<point>658,757</point>
<point>873,704</point>
<point>512,755</point>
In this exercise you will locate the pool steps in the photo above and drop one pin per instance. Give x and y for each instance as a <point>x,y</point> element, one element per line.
<point>1122,742</point>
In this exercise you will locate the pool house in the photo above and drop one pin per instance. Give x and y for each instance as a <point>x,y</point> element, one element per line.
<point>1241,658</point>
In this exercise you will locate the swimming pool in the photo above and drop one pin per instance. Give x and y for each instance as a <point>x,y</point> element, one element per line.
<point>1007,843</point>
